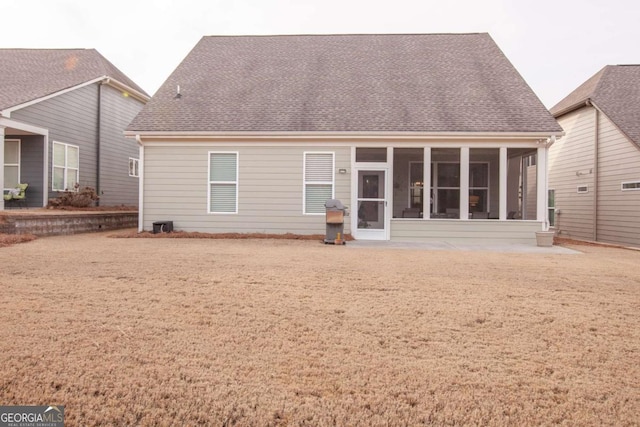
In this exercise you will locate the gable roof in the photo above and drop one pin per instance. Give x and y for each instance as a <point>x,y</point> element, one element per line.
<point>345,83</point>
<point>30,74</point>
<point>615,90</point>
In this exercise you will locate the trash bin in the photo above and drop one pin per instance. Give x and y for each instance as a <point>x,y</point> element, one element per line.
<point>162,227</point>
<point>335,222</point>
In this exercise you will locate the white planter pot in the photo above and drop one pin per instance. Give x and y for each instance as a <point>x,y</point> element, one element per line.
<point>545,238</point>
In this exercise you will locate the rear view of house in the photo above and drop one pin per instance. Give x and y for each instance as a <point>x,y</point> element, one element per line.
<point>594,171</point>
<point>424,137</point>
<point>62,117</point>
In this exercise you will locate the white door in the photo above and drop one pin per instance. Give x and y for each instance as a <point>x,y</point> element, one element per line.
<point>371,203</point>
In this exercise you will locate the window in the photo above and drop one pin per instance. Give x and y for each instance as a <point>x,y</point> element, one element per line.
<point>11,163</point>
<point>133,167</point>
<point>634,185</point>
<point>479,187</point>
<point>223,182</point>
<point>318,181</point>
<point>66,163</point>
<point>375,155</point>
<point>551,205</point>
<point>416,184</point>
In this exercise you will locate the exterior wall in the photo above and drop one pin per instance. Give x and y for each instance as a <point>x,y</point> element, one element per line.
<point>409,230</point>
<point>571,163</point>
<point>31,167</point>
<point>618,218</point>
<point>116,186</point>
<point>270,189</point>
<point>72,119</point>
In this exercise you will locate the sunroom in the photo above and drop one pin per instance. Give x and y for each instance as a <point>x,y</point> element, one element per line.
<point>447,192</point>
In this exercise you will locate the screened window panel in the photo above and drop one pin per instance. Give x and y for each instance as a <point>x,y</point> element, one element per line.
<point>72,157</point>
<point>223,198</point>
<point>319,167</point>
<point>12,152</point>
<point>58,178</point>
<point>223,167</point>
<point>316,196</point>
<point>59,155</point>
<point>11,178</point>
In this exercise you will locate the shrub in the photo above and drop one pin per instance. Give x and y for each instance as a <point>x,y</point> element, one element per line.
<point>78,198</point>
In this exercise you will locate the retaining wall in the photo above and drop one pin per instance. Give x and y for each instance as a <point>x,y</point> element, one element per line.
<point>58,224</point>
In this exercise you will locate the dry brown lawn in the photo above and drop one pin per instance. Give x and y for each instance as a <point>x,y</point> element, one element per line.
<point>175,332</point>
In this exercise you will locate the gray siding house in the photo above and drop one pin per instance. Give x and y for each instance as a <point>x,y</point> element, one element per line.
<point>594,171</point>
<point>423,137</point>
<point>62,117</point>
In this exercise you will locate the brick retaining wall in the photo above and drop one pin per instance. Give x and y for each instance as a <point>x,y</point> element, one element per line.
<point>56,224</point>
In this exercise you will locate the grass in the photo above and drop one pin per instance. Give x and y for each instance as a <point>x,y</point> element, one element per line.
<point>282,332</point>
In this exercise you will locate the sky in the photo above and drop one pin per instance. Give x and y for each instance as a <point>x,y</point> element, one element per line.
<point>555,44</point>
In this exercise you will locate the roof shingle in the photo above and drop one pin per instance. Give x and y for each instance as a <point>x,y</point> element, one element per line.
<point>334,83</point>
<point>29,74</point>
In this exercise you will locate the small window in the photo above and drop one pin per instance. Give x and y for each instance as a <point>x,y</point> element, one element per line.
<point>223,182</point>
<point>551,206</point>
<point>583,188</point>
<point>634,185</point>
<point>318,181</point>
<point>375,155</point>
<point>66,167</point>
<point>133,167</point>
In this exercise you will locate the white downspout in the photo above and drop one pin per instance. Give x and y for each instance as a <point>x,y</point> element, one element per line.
<point>140,186</point>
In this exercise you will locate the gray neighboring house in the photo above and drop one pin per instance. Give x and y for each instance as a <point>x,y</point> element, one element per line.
<point>594,171</point>
<point>62,117</point>
<point>423,137</point>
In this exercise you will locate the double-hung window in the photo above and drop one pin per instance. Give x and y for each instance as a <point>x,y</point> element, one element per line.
<point>318,181</point>
<point>223,182</point>
<point>66,166</point>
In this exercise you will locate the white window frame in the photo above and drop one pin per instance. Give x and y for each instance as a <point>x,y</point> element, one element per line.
<point>306,183</point>
<point>14,164</point>
<point>134,167</point>
<point>65,167</point>
<point>551,207</point>
<point>210,182</point>
<point>635,188</point>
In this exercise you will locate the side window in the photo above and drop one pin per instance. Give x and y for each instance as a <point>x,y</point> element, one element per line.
<point>318,181</point>
<point>552,207</point>
<point>223,182</point>
<point>66,166</point>
<point>133,167</point>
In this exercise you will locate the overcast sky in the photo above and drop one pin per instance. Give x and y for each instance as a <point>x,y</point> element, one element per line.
<point>555,45</point>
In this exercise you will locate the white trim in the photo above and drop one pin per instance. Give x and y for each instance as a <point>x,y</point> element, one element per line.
<point>541,182</point>
<point>136,167</point>
<point>6,122</point>
<point>427,184</point>
<point>66,167</point>
<point>209,182</point>
<point>103,79</point>
<point>141,191</point>
<point>464,183</point>
<point>305,183</point>
<point>2,163</point>
<point>504,165</point>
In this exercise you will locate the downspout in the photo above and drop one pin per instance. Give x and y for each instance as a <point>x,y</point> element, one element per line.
<point>596,145</point>
<point>99,142</point>
<point>140,185</point>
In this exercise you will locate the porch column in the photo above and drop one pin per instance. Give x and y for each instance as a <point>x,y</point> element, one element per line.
<point>541,175</point>
<point>464,183</point>
<point>502,214</point>
<point>426,184</point>
<point>2,166</point>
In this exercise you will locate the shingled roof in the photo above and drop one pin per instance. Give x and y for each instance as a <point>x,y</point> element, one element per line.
<point>344,83</point>
<point>615,90</point>
<point>29,74</point>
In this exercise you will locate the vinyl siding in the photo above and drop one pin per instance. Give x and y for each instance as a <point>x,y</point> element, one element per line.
<point>571,155</point>
<point>618,218</point>
<point>270,189</point>
<point>116,186</point>
<point>31,168</point>
<point>489,231</point>
<point>71,119</point>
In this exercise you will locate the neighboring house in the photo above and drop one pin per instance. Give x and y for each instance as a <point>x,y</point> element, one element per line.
<point>594,171</point>
<point>422,136</point>
<point>62,117</point>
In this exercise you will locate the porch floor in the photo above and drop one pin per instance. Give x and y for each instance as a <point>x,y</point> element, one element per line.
<point>460,246</point>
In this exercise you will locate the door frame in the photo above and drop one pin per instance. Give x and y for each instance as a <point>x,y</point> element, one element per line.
<point>371,234</point>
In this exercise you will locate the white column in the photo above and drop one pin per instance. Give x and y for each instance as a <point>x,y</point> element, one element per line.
<point>426,184</point>
<point>502,214</point>
<point>464,183</point>
<point>141,188</point>
<point>2,166</point>
<point>541,175</point>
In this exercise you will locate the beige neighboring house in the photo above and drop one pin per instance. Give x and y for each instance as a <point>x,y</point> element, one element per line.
<point>423,136</point>
<point>594,171</point>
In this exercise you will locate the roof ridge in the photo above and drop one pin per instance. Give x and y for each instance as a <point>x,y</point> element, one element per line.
<point>345,34</point>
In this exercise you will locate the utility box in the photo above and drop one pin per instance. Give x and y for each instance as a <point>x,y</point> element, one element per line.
<point>162,227</point>
<point>335,222</point>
